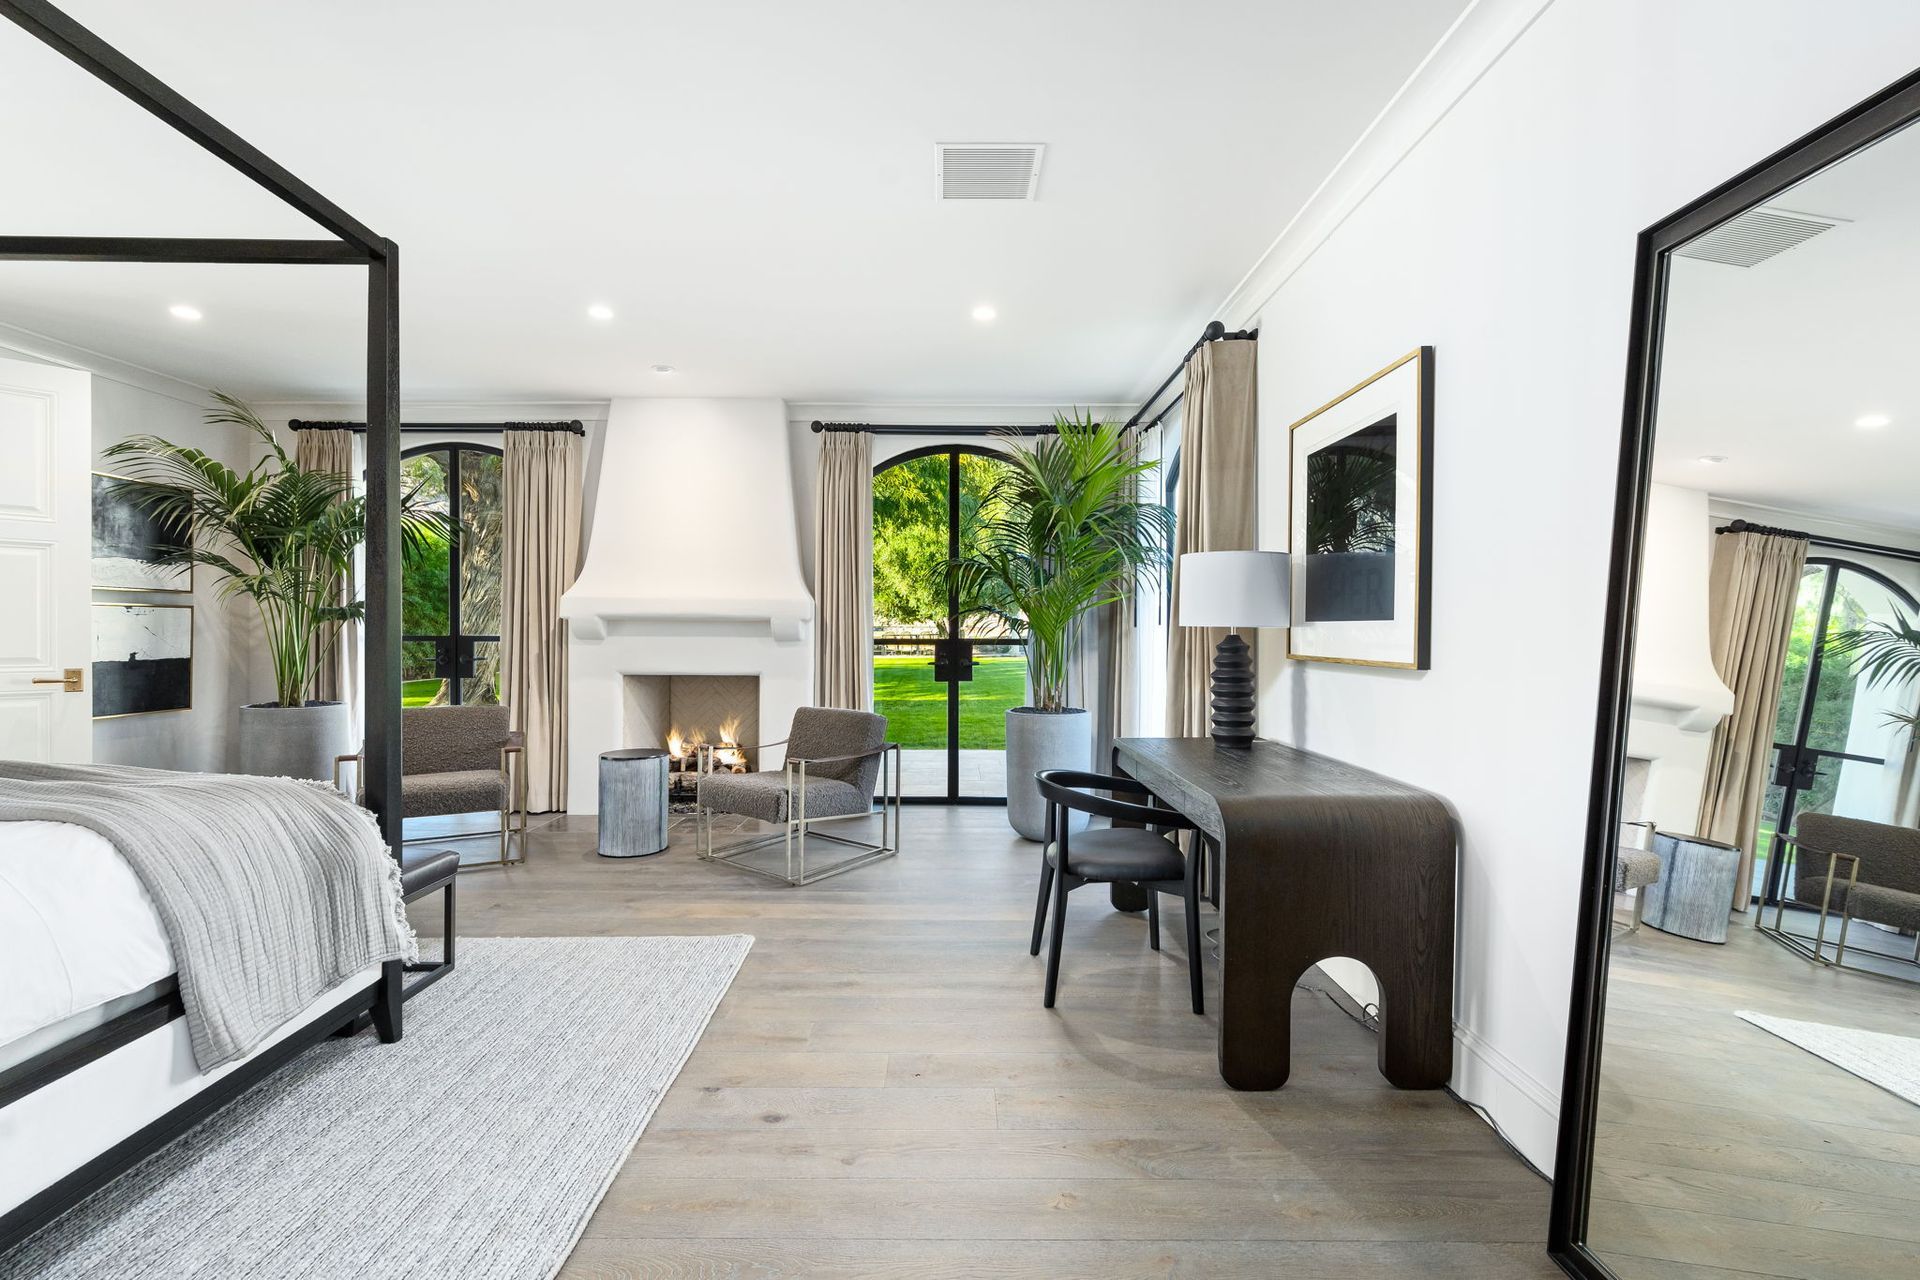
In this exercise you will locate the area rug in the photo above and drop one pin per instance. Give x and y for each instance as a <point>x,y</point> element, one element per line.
<point>477,1147</point>
<point>1892,1062</point>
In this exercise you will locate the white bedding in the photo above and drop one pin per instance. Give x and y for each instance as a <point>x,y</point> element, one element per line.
<point>77,928</point>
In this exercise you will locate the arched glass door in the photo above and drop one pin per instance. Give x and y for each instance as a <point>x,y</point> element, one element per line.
<point>944,674</point>
<point>450,651</point>
<point>1834,749</point>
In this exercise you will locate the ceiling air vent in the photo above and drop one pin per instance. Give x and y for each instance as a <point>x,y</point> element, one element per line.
<point>1755,236</point>
<point>986,170</point>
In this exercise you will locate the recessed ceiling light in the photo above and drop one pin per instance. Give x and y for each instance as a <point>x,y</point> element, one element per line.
<point>664,369</point>
<point>600,311</point>
<point>1872,420</point>
<point>984,313</point>
<point>1713,459</point>
<point>181,311</point>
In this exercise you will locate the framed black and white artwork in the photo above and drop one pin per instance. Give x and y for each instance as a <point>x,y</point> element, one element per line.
<point>1361,521</point>
<point>142,659</point>
<point>129,543</point>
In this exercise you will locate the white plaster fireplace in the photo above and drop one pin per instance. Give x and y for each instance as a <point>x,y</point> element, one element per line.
<point>693,568</point>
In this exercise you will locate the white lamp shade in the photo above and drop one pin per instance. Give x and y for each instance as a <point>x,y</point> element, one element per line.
<point>1235,589</point>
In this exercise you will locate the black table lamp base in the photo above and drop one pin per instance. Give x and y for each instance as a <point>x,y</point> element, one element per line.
<point>1233,693</point>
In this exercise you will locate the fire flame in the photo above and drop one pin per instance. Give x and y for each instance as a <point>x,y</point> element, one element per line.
<point>676,744</point>
<point>728,753</point>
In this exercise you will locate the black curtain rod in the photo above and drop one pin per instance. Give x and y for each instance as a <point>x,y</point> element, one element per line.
<point>921,429</point>
<point>1845,544</point>
<point>1214,332</point>
<point>460,428</point>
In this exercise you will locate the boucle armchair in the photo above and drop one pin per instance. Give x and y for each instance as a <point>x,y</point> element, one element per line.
<point>834,759</point>
<point>1864,870</point>
<point>462,760</point>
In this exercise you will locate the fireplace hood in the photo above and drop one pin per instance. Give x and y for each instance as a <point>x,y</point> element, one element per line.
<point>693,527</point>
<point>1674,681</point>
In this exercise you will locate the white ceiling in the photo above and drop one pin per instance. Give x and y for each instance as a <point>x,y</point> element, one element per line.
<point>749,185</point>
<point>1769,366</point>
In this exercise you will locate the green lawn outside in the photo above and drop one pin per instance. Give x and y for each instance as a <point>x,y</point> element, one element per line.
<point>916,708</point>
<point>418,693</point>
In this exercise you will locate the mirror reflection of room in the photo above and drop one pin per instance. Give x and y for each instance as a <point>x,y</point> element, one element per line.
<point>1759,1105</point>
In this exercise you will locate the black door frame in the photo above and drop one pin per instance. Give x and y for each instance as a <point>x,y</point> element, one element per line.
<point>453,652</point>
<point>953,656</point>
<point>1885,112</point>
<point>1789,756</point>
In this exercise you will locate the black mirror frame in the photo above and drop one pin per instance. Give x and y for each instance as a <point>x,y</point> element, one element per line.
<point>1887,111</point>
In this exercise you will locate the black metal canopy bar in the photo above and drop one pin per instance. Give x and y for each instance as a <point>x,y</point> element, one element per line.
<point>354,245</point>
<point>1214,332</point>
<point>573,426</point>
<point>1821,540</point>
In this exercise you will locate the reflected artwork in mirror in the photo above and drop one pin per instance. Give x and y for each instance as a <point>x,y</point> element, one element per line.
<point>1742,1093</point>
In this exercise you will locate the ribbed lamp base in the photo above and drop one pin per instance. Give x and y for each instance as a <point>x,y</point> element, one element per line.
<point>1233,693</point>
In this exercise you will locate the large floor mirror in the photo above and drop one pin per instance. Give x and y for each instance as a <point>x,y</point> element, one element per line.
<point>1743,1085</point>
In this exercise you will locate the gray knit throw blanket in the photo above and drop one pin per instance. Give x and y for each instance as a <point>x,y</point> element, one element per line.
<point>271,890</point>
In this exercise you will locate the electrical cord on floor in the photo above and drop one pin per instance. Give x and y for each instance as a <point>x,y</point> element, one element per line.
<point>1369,1017</point>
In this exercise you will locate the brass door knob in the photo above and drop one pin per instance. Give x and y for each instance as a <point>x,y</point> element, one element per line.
<point>72,681</point>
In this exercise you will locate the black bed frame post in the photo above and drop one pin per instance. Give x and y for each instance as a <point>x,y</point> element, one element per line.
<point>383,621</point>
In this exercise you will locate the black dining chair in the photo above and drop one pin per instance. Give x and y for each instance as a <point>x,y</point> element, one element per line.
<point>1144,855</point>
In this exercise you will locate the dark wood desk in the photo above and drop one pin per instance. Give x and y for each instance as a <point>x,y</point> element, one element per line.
<point>1319,858</point>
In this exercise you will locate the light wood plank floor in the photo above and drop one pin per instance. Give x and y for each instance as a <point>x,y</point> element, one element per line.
<point>1724,1150</point>
<point>881,1094</point>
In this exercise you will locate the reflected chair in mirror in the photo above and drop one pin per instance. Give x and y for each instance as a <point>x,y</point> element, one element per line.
<point>1635,868</point>
<point>834,759</point>
<point>1145,855</point>
<point>1852,868</point>
<point>458,760</point>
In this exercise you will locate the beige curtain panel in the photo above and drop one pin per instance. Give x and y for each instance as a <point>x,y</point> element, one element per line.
<point>540,496</point>
<point>1215,511</point>
<point>1750,601</point>
<point>843,573</point>
<point>331,450</point>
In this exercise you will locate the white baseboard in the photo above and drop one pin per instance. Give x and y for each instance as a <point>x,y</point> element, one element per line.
<point>1526,1111</point>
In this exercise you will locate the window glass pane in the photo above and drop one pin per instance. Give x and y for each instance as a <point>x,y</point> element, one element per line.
<point>982,501</point>
<point>479,543</point>
<point>424,583</point>
<point>910,548</point>
<point>484,684</point>
<point>419,686</point>
<point>904,691</point>
<point>1847,716</point>
<point>1793,684</point>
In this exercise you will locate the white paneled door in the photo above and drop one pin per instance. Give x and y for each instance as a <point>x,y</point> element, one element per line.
<point>46,531</point>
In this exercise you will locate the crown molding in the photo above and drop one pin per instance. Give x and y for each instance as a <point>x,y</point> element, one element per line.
<point>39,346</point>
<point>1477,40</point>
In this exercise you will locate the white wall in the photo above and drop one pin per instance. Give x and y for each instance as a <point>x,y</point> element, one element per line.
<point>1503,235</point>
<point>224,632</point>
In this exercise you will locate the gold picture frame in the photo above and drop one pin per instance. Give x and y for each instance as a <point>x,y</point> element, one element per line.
<point>95,559</point>
<point>106,682</point>
<point>1373,606</point>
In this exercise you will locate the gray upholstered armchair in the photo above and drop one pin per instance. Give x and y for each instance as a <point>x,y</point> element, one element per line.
<point>1864,870</point>
<point>1635,868</point>
<point>834,759</point>
<point>462,760</point>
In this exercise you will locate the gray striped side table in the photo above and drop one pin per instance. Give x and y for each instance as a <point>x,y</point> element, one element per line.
<point>633,802</point>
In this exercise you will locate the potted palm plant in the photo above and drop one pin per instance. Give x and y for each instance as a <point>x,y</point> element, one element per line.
<point>1063,532</point>
<point>283,536</point>
<point>1885,653</point>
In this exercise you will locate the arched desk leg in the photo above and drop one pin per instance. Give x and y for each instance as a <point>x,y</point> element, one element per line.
<point>1416,1028</point>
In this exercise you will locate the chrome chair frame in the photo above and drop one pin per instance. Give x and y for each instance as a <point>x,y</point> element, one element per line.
<point>510,834</point>
<point>798,827</point>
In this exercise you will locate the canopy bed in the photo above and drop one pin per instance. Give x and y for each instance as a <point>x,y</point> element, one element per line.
<point>171,939</point>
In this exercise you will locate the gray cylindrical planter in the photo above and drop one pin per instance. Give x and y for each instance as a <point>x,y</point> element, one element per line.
<point>294,742</point>
<point>1039,740</point>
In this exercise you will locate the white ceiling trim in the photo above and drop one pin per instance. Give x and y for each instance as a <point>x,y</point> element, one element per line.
<point>40,347</point>
<point>1477,40</point>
